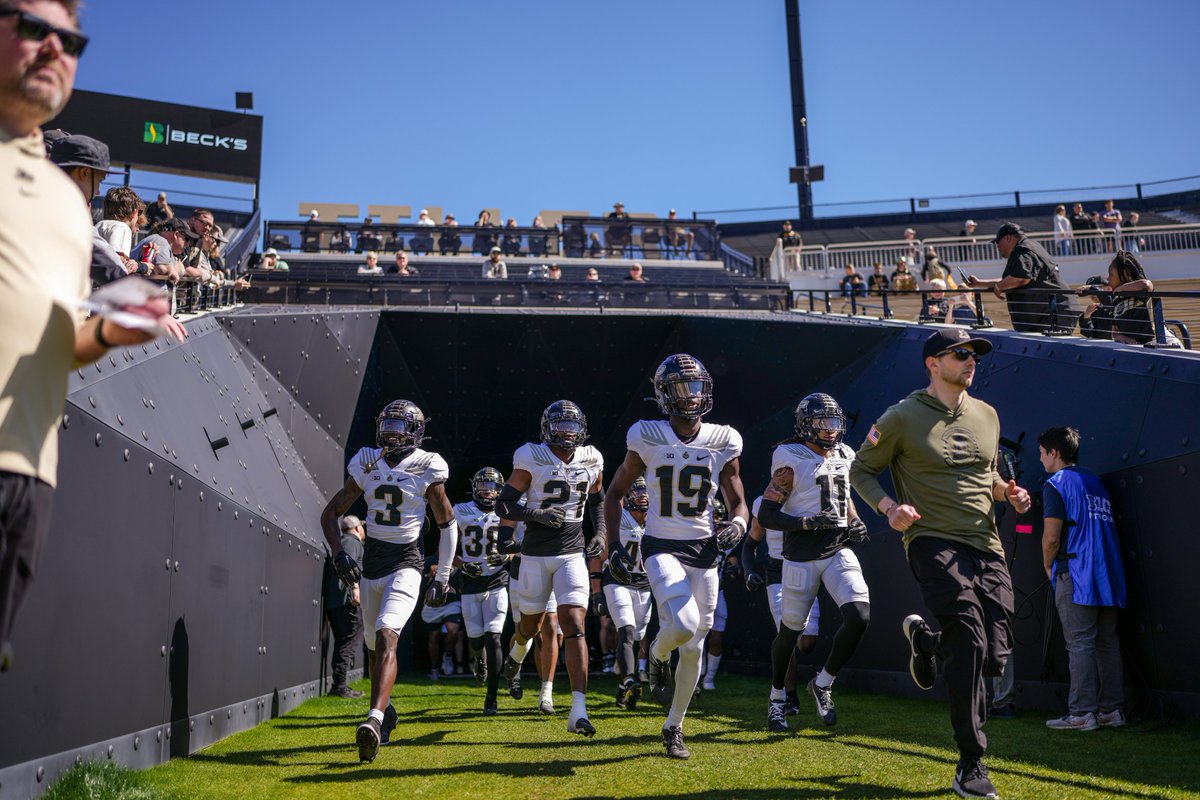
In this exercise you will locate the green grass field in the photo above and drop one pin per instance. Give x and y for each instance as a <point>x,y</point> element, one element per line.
<point>881,747</point>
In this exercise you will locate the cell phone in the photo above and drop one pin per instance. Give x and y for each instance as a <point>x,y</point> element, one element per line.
<point>963,275</point>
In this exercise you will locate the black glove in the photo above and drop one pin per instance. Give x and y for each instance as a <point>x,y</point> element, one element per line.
<point>346,568</point>
<point>496,559</point>
<point>595,548</point>
<point>729,534</point>
<point>755,580</point>
<point>472,569</point>
<point>621,566</point>
<point>550,517</point>
<point>819,522</point>
<point>857,532</point>
<point>438,594</point>
<point>599,604</point>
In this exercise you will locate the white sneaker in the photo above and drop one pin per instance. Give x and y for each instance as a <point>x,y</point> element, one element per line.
<point>1070,722</point>
<point>546,705</point>
<point>1111,719</point>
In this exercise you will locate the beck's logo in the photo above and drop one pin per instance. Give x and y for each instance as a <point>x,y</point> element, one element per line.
<point>158,133</point>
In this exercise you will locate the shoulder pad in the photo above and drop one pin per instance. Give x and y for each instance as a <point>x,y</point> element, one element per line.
<point>367,458</point>
<point>541,454</point>
<point>651,433</point>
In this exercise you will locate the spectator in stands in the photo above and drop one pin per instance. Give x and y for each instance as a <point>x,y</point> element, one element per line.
<point>617,234</point>
<point>85,160</point>
<point>1082,229</point>
<point>902,279</point>
<point>595,249</point>
<point>788,237</point>
<point>969,229</point>
<point>159,210</point>
<point>122,212</point>
<point>1111,219</point>
<point>214,242</point>
<point>493,267</point>
<point>539,243</point>
<point>422,240</point>
<point>195,259</point>
<point>402,267</point>
<point>914,247</point>
<point>679,238</point>
<point>158,254</point>
<point>1113,314</point>
<point>591,274</point>
<point>424,220</point>
<point>339,240</point>
<point>1029,267</point>
<point>449,243</point>
<point>635,273</point>
<point>877,281</point>
<point>1131,240</point>
<point>484,239</point>
<point>936,307</point>
<point>852,283</point>
<point>574,240</point>
<point>1063,232</point>
<point>554,273</point>
<point>934,269</point>
<point>510,243</point>
<point>368,236</point>
<point>790,244</point>
<point>310,233</point>
<point>372,266</point>
<point>1082,557</point>
<point>271,260</point>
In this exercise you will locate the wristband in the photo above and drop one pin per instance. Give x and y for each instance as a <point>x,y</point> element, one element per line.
<point>100,335</point>
<point>740,524</point>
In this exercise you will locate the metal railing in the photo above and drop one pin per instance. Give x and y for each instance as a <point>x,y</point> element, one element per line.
<point>637,237</point>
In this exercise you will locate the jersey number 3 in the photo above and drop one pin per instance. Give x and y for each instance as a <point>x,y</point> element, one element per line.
<point>689,487</point>
<point>393,498</point>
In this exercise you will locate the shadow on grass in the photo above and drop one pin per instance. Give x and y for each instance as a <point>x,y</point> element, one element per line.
<point>824,786</point>
<point>561,768</point>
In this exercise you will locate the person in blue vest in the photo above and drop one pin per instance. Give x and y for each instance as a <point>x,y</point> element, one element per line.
<point>1082,558</point>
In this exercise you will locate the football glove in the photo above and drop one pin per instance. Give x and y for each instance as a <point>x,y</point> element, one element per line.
<point>729,534</point>
<point>550,517</point>
<point>595,548</point>
<point>857,532</point>
<point>472,569</point>
<point>438,594</point>
<point>496,559</point>
<point>599,604</point>
<point>346,568</point>
<point>755,580</point>
<point>819,522</point>
<point>621,566</point>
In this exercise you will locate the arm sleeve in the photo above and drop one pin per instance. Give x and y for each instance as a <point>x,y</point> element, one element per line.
<point>748,547</point>
<point>771,515</point>
<point>509,505</point>
<point>595,506</point>
<point>447,547</point>
<point>883,443</point>
<point>1052,503</point>
<point>506,541</point>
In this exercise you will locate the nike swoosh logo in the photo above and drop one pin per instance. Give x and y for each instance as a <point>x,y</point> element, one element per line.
<point>702,456</point>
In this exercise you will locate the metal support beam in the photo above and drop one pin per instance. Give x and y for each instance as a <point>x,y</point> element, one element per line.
<point>799,109</point>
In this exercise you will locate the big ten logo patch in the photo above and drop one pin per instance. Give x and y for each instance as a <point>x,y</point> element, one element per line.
<point>960,448</point>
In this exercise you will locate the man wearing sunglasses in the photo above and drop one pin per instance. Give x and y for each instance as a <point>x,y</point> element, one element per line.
<point>45,245</point>
<point>941,445</point>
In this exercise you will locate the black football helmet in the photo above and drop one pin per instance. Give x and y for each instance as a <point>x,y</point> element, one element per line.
<point>564,425</point>
<point>637,498</point>
<point>720,512</point>
<point>400,428</point>
<point>485,487</point>
<point>818,414</point>
<point>683,387</point>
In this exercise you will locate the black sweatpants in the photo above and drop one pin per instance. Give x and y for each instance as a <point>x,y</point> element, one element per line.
<point>970,593</point>
<point>25,504</point>
<point>345,623</point>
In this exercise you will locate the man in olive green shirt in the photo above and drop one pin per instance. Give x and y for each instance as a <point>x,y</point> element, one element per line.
<point>941,445</point>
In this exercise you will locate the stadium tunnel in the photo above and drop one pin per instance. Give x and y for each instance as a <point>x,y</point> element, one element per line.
<point>178,599</point>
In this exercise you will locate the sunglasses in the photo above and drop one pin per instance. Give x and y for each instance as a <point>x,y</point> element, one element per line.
<point>35,29</point>
<point>961,354</point>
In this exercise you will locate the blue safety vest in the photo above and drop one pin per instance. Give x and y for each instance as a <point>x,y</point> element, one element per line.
<point>1092,549</point>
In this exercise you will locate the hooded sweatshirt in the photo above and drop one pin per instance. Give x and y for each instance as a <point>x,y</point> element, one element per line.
<point>943,464</point>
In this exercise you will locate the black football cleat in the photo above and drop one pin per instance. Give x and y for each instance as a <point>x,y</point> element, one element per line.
<point>823,698</point>
<point>662,685</point>
<point>581,726</point>
<point>776,717</point>
<point>673,741</point>
<point>490,707</point>
<point>390,718</point>
<point>367,738</point>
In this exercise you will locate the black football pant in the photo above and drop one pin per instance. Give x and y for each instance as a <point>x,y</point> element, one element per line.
<point>970,593</point>
<point>345,623</point>
<point>25,504</point>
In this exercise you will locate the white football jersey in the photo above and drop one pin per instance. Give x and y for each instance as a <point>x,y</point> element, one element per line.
<point>820,483</point>
<point>631,537</point>
<point>396,495</point>
<point>556,483</point>
<point>774,538</point>
<point>682,479</point>
<point>478,531</point>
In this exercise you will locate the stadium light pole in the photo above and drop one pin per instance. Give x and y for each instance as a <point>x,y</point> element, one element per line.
<point>801,174</point>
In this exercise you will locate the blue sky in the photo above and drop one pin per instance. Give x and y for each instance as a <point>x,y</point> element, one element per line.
<point>666,103</point>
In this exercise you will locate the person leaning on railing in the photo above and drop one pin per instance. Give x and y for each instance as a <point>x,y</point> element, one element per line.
<point>1112,315</point>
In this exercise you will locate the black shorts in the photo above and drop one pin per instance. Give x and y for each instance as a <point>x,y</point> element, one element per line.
<point>25,504</point>
<point>700,553</point>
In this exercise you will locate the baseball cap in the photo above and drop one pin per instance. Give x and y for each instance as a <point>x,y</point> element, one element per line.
<point>176,224</point>
<point>972,222</point>
<point>618,204</point>
<point>495,249</point>
<point>270,251</point>
<point>77,150</point>
<point>942,340</point>
<point>350,522</point>
<point>1008,229</point>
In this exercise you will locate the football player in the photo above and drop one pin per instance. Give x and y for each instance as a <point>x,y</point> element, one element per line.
<point>559,477</point>
<point>809,500</point>
<point>401,481</point>
<point>683,459</point>
<point>483,580</point>
<point>772,579</point>
<point>444,624</point>
<point>549,636</point>
<point>627,594</point>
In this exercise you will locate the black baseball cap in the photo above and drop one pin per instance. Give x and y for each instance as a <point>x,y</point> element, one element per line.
<point>948,338</point>
<point>176,224</point>
<point>77,150</point>
<point>1008,229</point>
